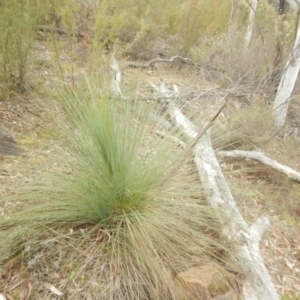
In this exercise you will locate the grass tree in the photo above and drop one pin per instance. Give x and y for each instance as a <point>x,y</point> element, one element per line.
<point>98,212</point>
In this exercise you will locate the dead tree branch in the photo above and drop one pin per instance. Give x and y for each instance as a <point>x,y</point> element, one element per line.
<point>244,238</point>
<point>190,148</point>
<point>258,156</point>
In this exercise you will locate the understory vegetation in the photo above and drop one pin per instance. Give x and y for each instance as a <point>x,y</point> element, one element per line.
<point>109,185</point>
<point>92,206</point>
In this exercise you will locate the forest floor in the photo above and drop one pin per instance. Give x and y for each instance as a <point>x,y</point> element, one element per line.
<point>258,189</point>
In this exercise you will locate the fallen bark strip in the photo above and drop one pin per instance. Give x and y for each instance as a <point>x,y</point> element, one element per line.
<point>243,238</point>
<point>258,156</point>
<point>147,64</point>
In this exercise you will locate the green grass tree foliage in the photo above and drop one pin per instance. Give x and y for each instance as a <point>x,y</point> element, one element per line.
<point>135,234</point>
<point>17,29</point>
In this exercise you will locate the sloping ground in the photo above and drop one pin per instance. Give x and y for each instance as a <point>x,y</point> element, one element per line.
<point>257,189</point>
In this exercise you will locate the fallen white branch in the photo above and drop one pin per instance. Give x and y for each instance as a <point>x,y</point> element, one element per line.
<point>244,238</point>
<point>186,123</point>
<point>258,156</point>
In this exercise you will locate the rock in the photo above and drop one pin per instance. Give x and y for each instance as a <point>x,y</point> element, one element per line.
<point>205,283</point>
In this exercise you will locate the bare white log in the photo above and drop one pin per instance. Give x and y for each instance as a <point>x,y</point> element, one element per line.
<point>287,83</point>
<point>186,125</point>
<point>250,24</point>
<point>258,156</point>
<point>244,238</point>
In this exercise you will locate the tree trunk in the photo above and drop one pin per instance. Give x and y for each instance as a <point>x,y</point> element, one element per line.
<point>250,24</point>
<point>287,82</point>
<point>283,7</point>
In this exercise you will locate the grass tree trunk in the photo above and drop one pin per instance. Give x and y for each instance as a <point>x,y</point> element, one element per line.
<point>250,24</point>
<point>287,82</point>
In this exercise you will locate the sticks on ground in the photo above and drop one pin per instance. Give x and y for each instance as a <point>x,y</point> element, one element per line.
<point>147,64</point>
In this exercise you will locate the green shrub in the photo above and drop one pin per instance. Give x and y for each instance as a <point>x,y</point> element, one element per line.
<point>17,30</point>
<point>202,19</point>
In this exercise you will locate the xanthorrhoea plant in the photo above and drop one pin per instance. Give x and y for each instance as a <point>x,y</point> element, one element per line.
<point>130,234</point>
